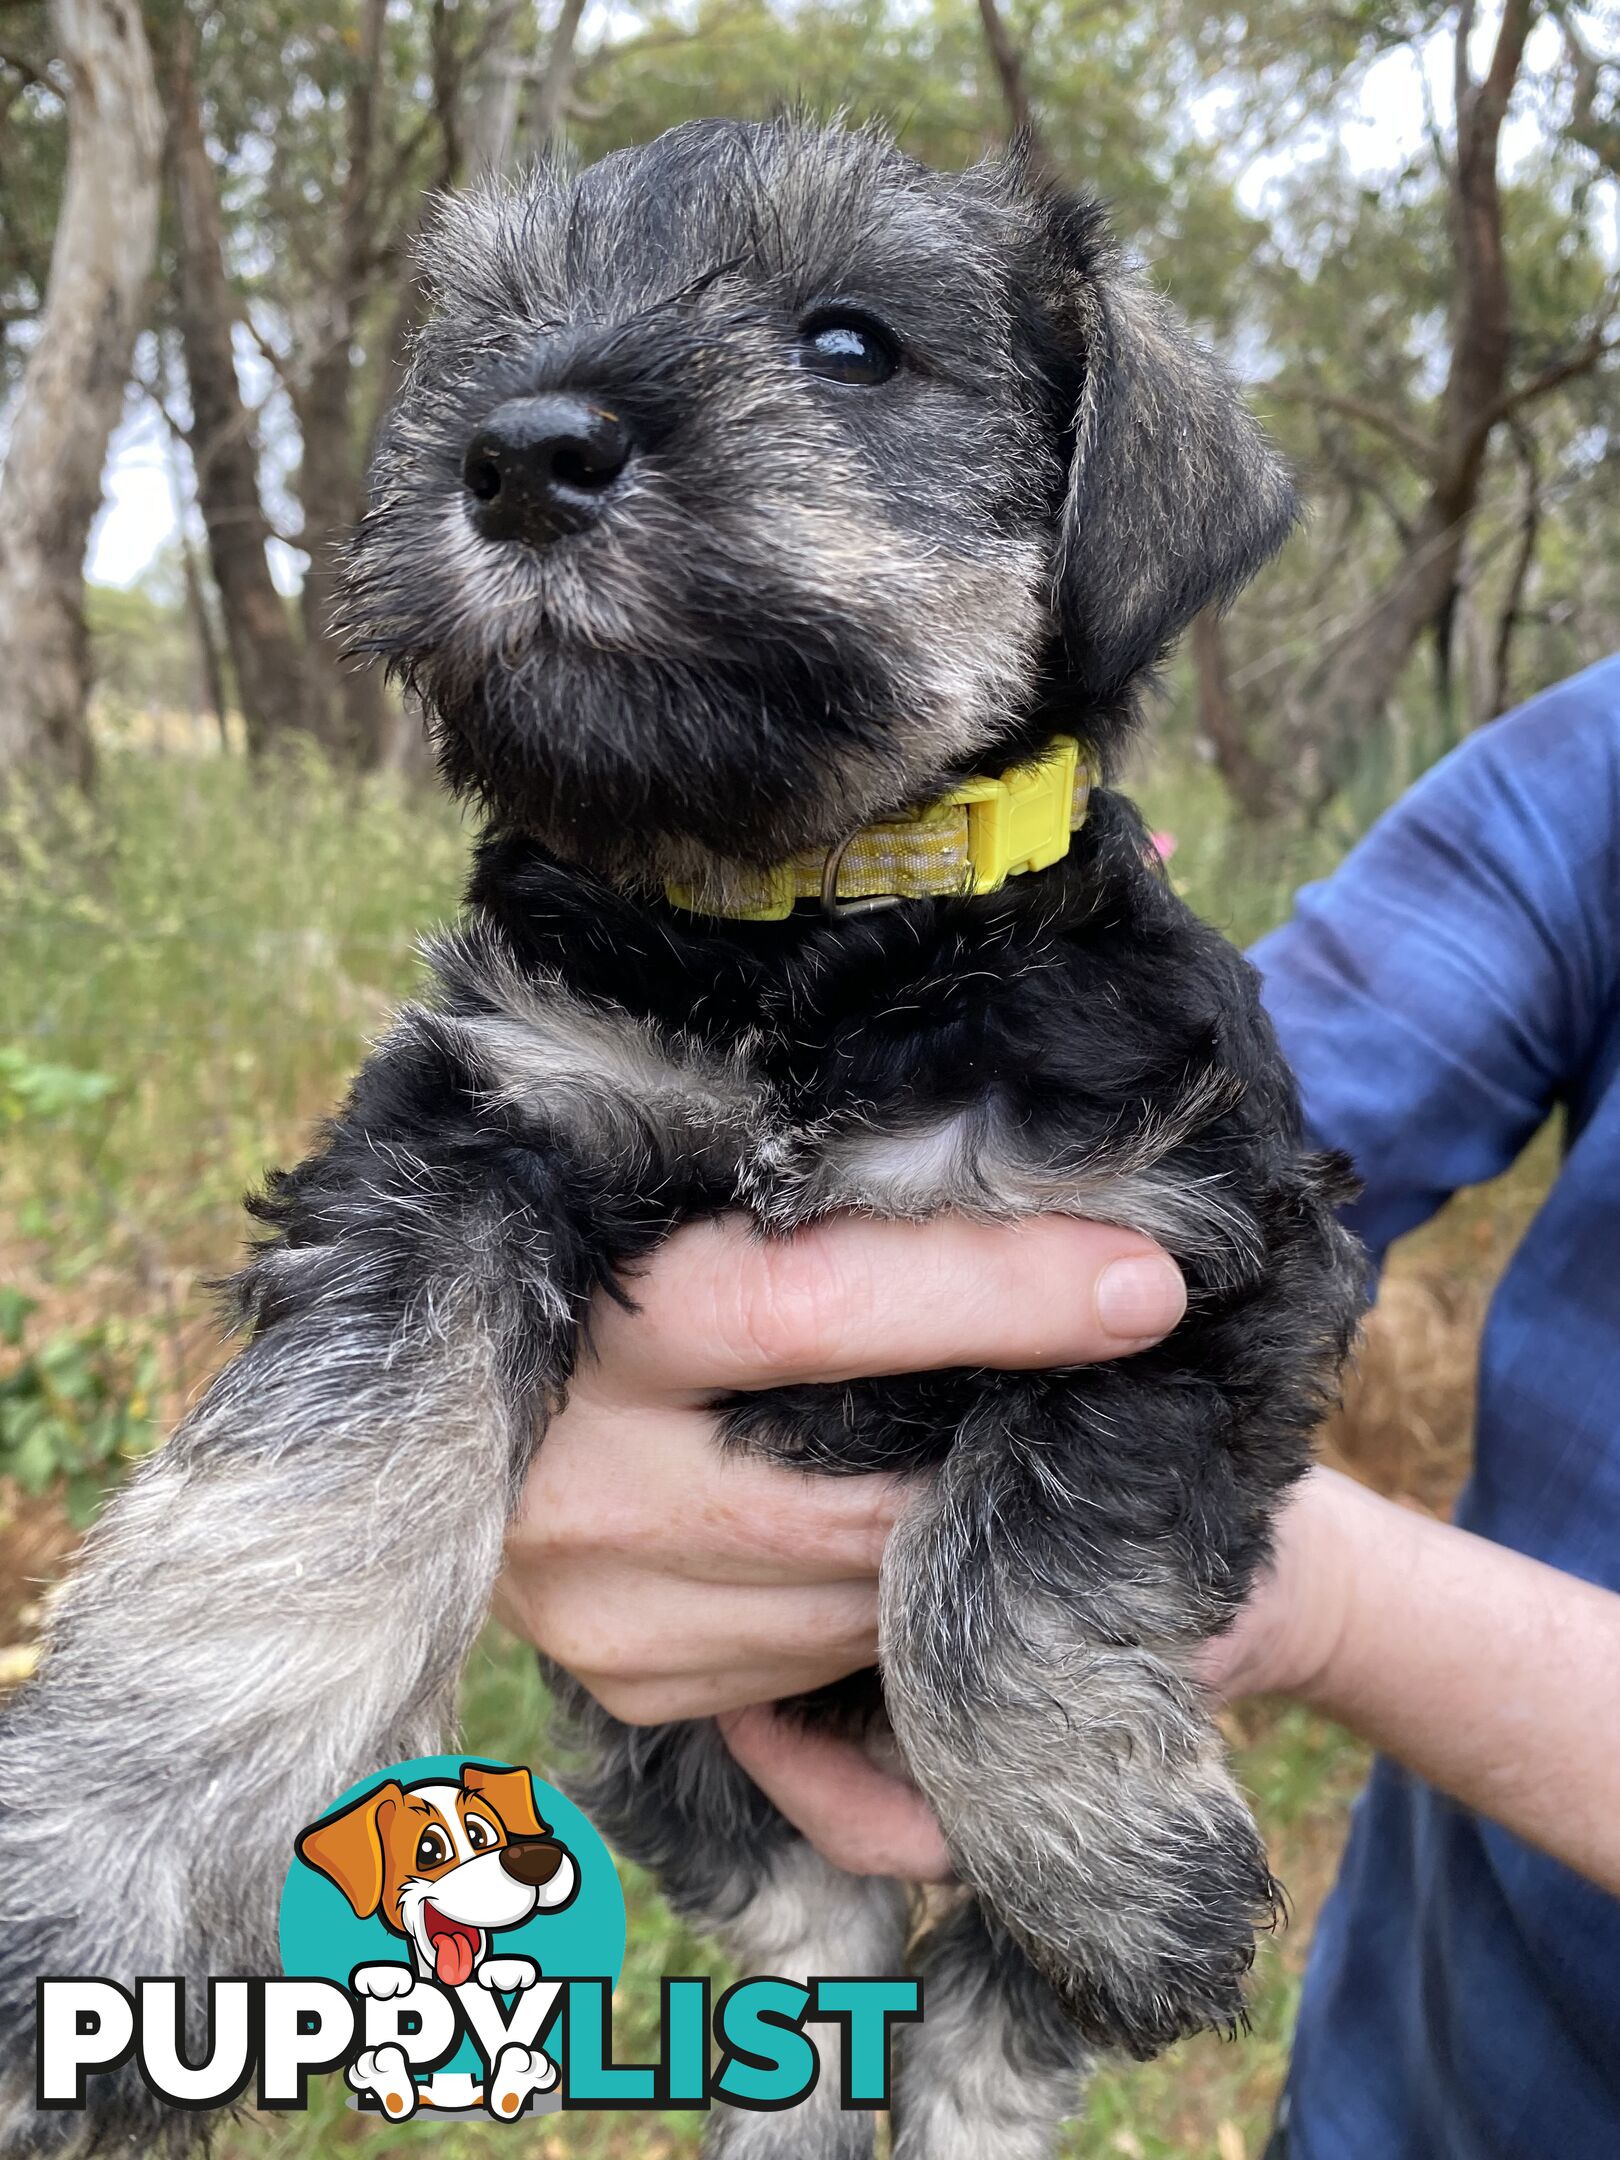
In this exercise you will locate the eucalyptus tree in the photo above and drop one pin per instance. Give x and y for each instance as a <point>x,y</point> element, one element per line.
<point>269,665</point>
<point>72,387</point>
<point>1431,330</point>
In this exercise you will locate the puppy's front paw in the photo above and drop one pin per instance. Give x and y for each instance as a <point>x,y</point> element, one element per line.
<point>386,2075</point>
<point>1147,1935</point>
<point>1182,1948</point>
<point>520,2073</point>
<point>382,1982</point>
<point>508,1974</point>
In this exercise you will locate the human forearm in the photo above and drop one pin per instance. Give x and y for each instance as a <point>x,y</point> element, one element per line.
<point>1493,1677</point>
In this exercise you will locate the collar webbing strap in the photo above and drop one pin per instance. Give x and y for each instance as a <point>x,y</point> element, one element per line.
<point>969,841</point>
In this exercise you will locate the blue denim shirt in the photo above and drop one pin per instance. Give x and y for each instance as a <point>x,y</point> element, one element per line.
<point>1453,984</point>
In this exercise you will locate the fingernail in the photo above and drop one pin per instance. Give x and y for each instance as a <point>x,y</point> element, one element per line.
<point>1141,1298</point>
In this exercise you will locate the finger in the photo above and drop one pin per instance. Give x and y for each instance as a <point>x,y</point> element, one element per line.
<point>861,1818</point>
<point>720,1308</point>
<point>673,1698</point>
<point>622,1624</point>
<point>654,1486</point>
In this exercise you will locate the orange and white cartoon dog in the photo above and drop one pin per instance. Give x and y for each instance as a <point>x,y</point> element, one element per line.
<point>447,1866</point>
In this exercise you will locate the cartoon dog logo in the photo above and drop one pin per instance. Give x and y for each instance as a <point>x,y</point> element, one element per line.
<point>447,1867</point>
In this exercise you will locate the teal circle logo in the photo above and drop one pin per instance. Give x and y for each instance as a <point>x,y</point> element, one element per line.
<point>462,1875</point>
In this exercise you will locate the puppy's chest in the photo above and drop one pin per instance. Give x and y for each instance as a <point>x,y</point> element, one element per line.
<point>901,1106</point>
<point>756,1116</point>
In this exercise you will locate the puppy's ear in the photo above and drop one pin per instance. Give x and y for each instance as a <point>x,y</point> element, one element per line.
<point>510,1793</point>
<point>1174,496</point>
<point>348,1848</point>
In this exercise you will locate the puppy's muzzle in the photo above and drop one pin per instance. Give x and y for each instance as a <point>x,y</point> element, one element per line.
<point>540,468</point>
<point>532,1861</point>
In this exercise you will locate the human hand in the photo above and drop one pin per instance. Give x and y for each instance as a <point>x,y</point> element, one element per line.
<point>678,1581</point>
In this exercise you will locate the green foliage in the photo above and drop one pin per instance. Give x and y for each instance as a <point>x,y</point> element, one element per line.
<point>77,1406</point>
<point>75,1410</point>
<point>1241,880</point>
<point>1107,88</point>
<point>33,1093</point>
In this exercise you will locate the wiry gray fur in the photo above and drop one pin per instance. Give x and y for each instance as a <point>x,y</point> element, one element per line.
<point>283,1596</point>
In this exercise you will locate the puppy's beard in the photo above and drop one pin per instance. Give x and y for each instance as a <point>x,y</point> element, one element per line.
<point>659,697</point>
<point>653,766</point>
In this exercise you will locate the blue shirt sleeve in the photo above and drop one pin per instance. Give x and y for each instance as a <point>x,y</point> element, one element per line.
<point>1448,985</point>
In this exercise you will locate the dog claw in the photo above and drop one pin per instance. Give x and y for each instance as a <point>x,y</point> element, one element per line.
<point>385,2074</point>
<point>519,2074</point>
<point>382,1981</point>
<point>507,1974</point>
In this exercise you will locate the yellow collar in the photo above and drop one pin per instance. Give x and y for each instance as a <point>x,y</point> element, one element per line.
<point>969,841</point>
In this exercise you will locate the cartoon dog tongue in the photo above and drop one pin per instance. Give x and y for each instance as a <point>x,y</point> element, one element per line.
<point>454,1948</point>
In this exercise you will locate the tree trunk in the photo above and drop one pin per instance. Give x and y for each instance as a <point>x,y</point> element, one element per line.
<point>269,669</point>
<point>355,719</point>
<point>1250,779</point>
<point>210,660</point>
<point>1347,694</point>
<point>474,117</point>
<point>1008,62</point>
<point>475,107</point>
<point>1344,700</point>
<point>209,657</point>
<point>491,100</point>
<point>551,92</point>
<point>73,387</point>
<point>1596,129</point>
<point>1524,560</point>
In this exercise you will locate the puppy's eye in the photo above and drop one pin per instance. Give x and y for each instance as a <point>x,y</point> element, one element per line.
<point>848,349</point>
<point>479,1835</point>
<point>432,1849</point>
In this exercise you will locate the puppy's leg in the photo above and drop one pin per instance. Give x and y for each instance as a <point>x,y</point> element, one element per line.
<point>995,2066</point>
<point>800,1918</point>
<point>672,1798</point>
<point>1037,1664</point>
<point>277,1603</point>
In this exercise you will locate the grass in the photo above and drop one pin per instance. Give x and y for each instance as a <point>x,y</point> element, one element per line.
<point>191,969</point>
<point>218,945</point>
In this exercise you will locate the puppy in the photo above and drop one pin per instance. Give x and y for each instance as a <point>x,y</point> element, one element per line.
<point>759,505</point>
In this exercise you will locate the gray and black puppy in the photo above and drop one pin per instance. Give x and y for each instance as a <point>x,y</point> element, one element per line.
<point>745,490</point>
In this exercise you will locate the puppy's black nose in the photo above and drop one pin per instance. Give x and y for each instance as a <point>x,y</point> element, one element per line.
<point>540,467</point>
